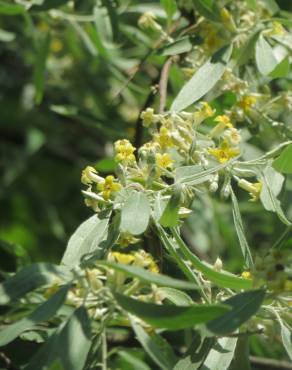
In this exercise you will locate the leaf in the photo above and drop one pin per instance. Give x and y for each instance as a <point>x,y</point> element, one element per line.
<point>203,80</point>
<point>40,67</point>
<point>6,36</point>
<point>247,50</point>
<point>282,69</point>
<point>132,361</point>
<point>149,277</point>
<point>169,7</point>
<point>105,22</point>
<point>222,279</point>
<point>265,59</point>
<point>182,45</point>
<point>48,4</point>
<point>151,347</point>
<point>283,163</point>
<point>208,9</point>
<point>70,344</point>
<point>43,313</point>
<point>241,356</point>
<point>30,278</point>
<point>244,306</point>
<point>221,355</point>
<point>195,175</point>
<point>8,8</point>
<point>240,232</point>
<point>86,239</point>
<point>272,183</point>
<point>170,216</point>
<point>170,316</point>
<point>175,296</point>
<point>135,213</point>
<point>271,5</point>
<point>196,353</point>
<point>286,339</point>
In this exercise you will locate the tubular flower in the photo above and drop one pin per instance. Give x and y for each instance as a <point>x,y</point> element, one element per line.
<point>223,123</point>
<point>276,30</point>
<point>123,258</point>
<point>253,189</point>
<point>148,117</point>
<point>247,102</point>
<point>148,21</point>
<point>233,137</point>
<point>124,151</point>
<point>145,260</point>
<point>246,275</point>
<point>204,112</point>
<point>89,175</point>
<point>163,160</point>
<point>108,186</point>
<point>225,152</point>
<point>164,139</point>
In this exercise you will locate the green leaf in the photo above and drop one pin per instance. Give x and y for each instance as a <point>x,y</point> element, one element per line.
<point>208,9</point>
<point>244,306</point>
<point>30,278</point>
<point>105,22</point>
<point>203,80</point>
<point>246,52</point>
<point>182,45</point>
<point>48,4</point>
<point>241,356</point>
<point>221,355</point>
<point>271,5</point>
<point>196,353</point>
<point>8,8</point>
<point>223,278</point>
<point>6,36</point>
<point>286,339</point>
<point>149,277</point>
<point>283,163</point>
<point>175,296</point>
<point>170,316</point>
<point>240,232</point>
<point>170,216</point>
<point>132,361</point>
<point>282,69</point>
<point>86,239</point>
<point>152,347</point>
<point>265,59</point>
<point>70,345</point>
<point>272,183</point>
<point>169,7</point>
<point>40,67</point>
<point>43,313</point>
<point>135,213</point>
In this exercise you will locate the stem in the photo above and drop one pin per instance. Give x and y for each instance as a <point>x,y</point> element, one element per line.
<point>270,364</point>
<point>104,350</point>
<point>163,83</point>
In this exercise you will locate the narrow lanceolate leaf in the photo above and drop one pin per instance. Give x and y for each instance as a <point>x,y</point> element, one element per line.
<point>283,163</point>
<point>169,7</point>
<point>43,313</point>
<point>179,46</point>
<point>8,8</point>
<point>222,279</point>
<point>48,4</point>
<point>244,306</point>
<point>203,80</point>
<point>87,239</point>
<point>170,316</point>
<point>175,296</point>
<point>149,277</point>
<point>272,183</point>
<point>282,69</point>
<point>240,232</point>
<point>153,347</point>
<point>287,339</point>
<point>170,215</point>
<point>265,58</point>
<point>69,345</point>
<point>208,9</point>
<point>30,278</point>
<point>221,355</point>
<point>135,213</point>
<point>40,67</point>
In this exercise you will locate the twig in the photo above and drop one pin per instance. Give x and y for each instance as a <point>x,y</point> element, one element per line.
<point>270,364</point>
<point>163,83</point>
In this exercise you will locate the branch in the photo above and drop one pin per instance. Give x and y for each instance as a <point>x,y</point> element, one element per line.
<point>270,364</point>
<point>163,83</point>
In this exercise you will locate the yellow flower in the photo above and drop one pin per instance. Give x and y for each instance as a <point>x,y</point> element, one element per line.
<point>276,30</point>
<point>148,21</point>
<point>89,175</point>
<point>124,258</point>
<point>254,189</point>
<point>108,186</point>
<point>247,102</point>
<point>145,260</point>
<point>163,160</point>
<point>56,45</point>
<point>204,112</point>
<point>223,123</point>
<point>124,151</point>
<point>148,117</point>
<point>225,152</point>
<point>227,19</point>
<point>232,136</point>
<point>246,275</point>
<point>126,239</point>
<point>164,139</point>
